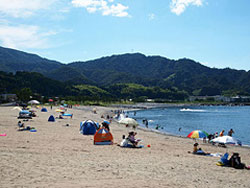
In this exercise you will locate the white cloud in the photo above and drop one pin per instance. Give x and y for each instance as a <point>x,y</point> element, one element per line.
<point>23,8</point>
<point>151,16</point>
<point>24,36</point>
<point>106,7</point>
<point>179,6</point>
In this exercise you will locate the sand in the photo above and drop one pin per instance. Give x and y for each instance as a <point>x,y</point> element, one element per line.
<point>58,156</point>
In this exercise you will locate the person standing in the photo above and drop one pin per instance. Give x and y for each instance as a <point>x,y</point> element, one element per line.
<point>222,133</point>
<point>230,132</point>
<point>146,123</point>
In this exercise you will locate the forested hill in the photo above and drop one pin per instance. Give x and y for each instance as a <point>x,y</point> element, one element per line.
<point>13,60</point>
<point>185,74</point>
<point>150,71</point>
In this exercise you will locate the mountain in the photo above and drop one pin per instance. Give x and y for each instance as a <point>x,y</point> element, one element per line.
<point>185,74</point>
<point>13,60</point>
<point>149,71</point>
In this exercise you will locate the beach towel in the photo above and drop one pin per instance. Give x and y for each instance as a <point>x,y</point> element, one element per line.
<point>3,134</point>
<point>67,115</point>
<point>132,146</point>
<point>28,128</point>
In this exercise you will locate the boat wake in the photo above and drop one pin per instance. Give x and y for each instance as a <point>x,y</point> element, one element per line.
<point>191,110</point>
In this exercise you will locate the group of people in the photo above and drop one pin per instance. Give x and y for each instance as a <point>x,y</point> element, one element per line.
<point>130,140</point>
<point>234,161</point>
<point>215,135</point>
<point>230,132</point>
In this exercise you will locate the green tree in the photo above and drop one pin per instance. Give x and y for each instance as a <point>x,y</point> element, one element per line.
<point>24,94</point>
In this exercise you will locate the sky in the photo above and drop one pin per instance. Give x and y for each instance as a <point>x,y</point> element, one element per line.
<point>215,33</point>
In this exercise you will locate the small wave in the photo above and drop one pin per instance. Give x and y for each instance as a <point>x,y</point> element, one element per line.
<point>151,121</point>
<point>191,110</point>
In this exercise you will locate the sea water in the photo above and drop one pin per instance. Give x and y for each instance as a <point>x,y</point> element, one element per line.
<point>182,120</point>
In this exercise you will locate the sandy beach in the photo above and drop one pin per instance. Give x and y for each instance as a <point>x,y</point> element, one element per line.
<point>58,156</point>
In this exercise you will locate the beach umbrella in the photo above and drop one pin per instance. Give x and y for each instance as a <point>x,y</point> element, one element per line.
<point>51,100</point>
<point>17,108</point>
<point>129,121</point>
<point>59,110</point>
<point>226,140</point>
<point>197,134</point>
<point>34,102</point>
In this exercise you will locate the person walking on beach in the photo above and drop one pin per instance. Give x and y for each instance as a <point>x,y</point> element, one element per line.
<point>146,123</point>
<point>230,132</point>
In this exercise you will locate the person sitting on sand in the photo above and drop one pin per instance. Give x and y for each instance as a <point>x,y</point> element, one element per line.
<point>235,161</point>
<point>195,148</point>
<point>198,151</point>
<point>60,117</point>
<point>20,125</point>
<point>131,138</point>
<point>124,142</point>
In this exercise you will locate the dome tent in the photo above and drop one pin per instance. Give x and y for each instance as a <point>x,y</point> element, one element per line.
<point>88,127</point>
<point>103,137</point>
<point>51,118</point>
<point>44,110</point>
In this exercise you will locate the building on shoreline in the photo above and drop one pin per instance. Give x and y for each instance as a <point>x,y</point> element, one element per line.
<point>220,98</point>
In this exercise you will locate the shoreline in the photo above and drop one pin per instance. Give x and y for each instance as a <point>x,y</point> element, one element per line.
<point>149,105</point>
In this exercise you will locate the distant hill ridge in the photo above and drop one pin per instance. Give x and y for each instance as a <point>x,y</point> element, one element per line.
<point>184,74</point>
<point>13,60</point>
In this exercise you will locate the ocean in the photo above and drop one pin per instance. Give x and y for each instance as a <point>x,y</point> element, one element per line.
<point>182,120</point>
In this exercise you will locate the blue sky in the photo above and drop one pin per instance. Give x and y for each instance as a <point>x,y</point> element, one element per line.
<point>215,33</point>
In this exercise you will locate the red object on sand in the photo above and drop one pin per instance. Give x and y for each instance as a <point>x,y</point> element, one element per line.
<point>3,134</point>
<point>148,145</point>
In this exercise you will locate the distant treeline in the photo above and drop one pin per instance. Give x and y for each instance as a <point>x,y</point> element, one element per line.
<point>35,84</point>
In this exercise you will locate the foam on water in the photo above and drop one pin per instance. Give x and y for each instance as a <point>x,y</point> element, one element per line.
<point>191,110</point>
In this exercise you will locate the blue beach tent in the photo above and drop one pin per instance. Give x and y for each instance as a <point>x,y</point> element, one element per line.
<point>44,110</point>
<point>51,118</point>
<point>88,127</point>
